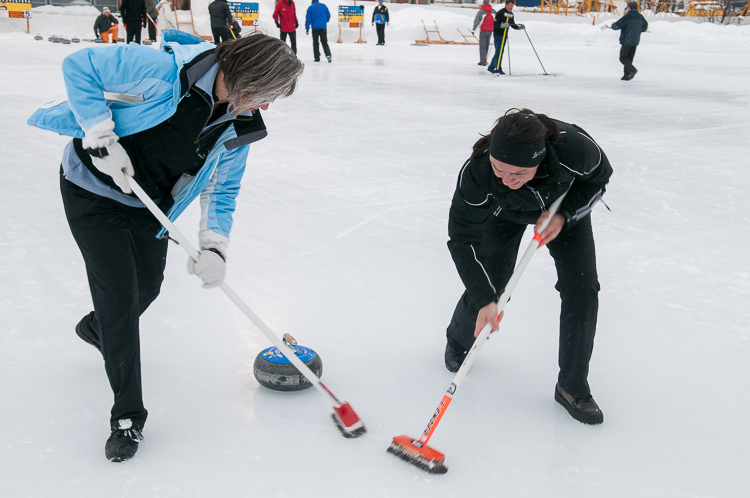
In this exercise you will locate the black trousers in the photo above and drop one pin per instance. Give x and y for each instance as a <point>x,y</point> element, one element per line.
<point>322,35</point>
<point>221,35</point>
<point>380,28</point>
<point>133,32</point>
<point>577,282</point>
<point>627,54</point>
<point>125,267</point>
<point>152,29</point>
<point>292,39</point>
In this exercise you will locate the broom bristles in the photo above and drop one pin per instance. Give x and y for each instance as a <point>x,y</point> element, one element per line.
<point>422,457</point>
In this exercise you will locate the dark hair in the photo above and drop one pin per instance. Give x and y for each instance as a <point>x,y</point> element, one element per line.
<point>510,1</point>
<point>520,126</point>
<point>633,6</point>
<point>258,67</point>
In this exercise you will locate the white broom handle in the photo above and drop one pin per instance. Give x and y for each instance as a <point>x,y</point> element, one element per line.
<point>193,253</point>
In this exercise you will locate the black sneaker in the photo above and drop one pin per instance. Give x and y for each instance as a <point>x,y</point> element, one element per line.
<point>585,410</point>
<point>454,359</point>
<point>87,334</point>
<point>123,442</point>
<point>328,57</point>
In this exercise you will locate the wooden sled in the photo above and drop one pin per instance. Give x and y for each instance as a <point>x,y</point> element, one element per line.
<point>467,41</point>
<point>439,41</point>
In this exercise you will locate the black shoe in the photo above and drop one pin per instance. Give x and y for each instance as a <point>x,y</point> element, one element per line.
<point>480,64</point>
<point>585,410</point>
<point>454,359</point>
<point>317,60</point>
<point>123,442</point>
<point>86,333</point>
<point>328,57</point>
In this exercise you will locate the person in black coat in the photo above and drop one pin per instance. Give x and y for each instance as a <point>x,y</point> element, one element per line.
<point>512,177</point>
<point>133,14</point>
<point>105,25</point>
<point>380,18</point>
<point>221,19</point>
<point>632,25</point>
<point>503,20</point>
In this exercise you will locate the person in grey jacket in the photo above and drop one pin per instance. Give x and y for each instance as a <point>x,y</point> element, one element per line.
<point>151,16</point>
<point>632,24</point>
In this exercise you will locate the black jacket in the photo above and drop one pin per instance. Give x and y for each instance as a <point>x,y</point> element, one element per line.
<point>575,162</point>
<point>103,23</point>
<point>221,16</point>
<point>133,11</point>
<point>503,18</point>
<point>632,25</point>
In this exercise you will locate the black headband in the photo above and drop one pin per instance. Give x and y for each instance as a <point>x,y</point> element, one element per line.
<point>518,155</point>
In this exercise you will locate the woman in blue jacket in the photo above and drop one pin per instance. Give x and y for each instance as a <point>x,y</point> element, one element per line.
<point>179,121</point>
<point>317,18</point>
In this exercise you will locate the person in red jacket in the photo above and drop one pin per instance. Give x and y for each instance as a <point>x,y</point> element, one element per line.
<point>485,20</point>
<point>285,17</point>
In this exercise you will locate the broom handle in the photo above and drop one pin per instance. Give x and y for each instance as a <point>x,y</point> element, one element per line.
<point>485,333</point>
<point>194,254</point>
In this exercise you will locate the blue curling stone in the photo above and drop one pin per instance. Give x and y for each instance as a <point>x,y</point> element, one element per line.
<point>272,370</point>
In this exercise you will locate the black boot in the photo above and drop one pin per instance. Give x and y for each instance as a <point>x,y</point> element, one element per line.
<point>585,410</point>
<point>123,442</point>
<point>86,333</point>
<point>454,358</point>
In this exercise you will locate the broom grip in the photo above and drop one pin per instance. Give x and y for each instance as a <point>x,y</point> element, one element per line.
<point>194,254</point>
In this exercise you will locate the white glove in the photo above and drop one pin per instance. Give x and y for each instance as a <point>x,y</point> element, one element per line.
<point>107,154</point>
<point>210,267</point>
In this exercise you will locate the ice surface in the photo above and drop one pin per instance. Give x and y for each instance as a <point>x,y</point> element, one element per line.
<point>339,239</point>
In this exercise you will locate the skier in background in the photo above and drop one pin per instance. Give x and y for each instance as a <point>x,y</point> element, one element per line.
<point>285,17</point>
<point>105,25</point>
<point>317,18</point>
<point>514,174</point>
<point>503,19</point>
<point>133,14</point>
<point>380,18</point>
<point>485,19</point>
<point>186,140</point>
<point>632,25</point>
<point>221,19</point>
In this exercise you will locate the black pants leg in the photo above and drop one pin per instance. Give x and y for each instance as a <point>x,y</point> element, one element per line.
<point>322,35</point>
<point>125,267</point>
<point>152,29</point>
<point>221,35</point>
<point>133,32</point>
<point>577,282</point>
<point>627,54</point>
<point>292,39</point>
<point>380,28</point>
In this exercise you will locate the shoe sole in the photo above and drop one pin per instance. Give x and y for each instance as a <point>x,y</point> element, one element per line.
<point>592,419</point>
<point>86,339</point>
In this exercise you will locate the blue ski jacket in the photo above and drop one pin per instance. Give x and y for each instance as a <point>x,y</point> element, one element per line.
<point>317,16</point>
<point>139,87</point>
<point>632,25</point>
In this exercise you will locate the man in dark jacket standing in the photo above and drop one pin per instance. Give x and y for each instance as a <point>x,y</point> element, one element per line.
<point>221,19</point>
<point>285,17</point>
<point>317,18</point>
<point>380,18</point>
<point>133,14</point>
<point>503,20</point>
<point>105,25</point>
<point>632,25</point>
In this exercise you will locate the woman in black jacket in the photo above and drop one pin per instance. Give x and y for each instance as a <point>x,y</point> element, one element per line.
<point>133,14</point>
<point>514,174</point>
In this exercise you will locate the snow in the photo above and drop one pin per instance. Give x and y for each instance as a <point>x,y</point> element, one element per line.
<point>339,239</point>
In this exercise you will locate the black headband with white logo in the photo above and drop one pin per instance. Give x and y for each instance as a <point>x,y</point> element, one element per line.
<point>518,155</point>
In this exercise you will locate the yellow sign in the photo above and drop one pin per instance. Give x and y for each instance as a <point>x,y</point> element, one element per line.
<point>246,11</point>
<point>16,8</point>
<point>354,16</point>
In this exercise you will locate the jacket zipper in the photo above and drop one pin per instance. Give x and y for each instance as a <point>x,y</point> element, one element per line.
<point>538,198</point>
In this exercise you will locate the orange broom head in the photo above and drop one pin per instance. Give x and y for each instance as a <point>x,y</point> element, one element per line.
<point>418,454</point>
<point>348,421</point>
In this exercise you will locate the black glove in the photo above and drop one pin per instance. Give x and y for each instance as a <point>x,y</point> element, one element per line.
<point>307,31</point>
<point>521,26</point>
<point>296,25</point>
<point>278,25</point>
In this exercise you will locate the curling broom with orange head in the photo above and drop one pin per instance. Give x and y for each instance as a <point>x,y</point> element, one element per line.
<point>416,451</point>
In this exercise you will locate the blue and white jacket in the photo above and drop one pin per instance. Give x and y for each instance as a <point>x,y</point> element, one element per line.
<point>138,88</point>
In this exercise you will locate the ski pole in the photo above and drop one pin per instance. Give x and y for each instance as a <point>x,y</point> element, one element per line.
<point>537,55</point>
<point>416,451</point>
<point>344,416</point>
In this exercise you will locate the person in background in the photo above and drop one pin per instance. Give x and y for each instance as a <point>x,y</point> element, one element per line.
<point>380,18</point>
<point>484,20</point>
<point>503,20</point>
<point>285,17</point>
<point>221,19</point>
<point>235,27</point>
<point>106,25</point>
<point>166,16</point>
<point>187,140</point>
<point>133,14</point>
<point>510,181</point>
<point>152,17</point>
<point>632,25</point>
<point>317,18</point>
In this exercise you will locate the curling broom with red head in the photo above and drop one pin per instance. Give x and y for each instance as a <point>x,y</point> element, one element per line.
<point>416,451</point>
